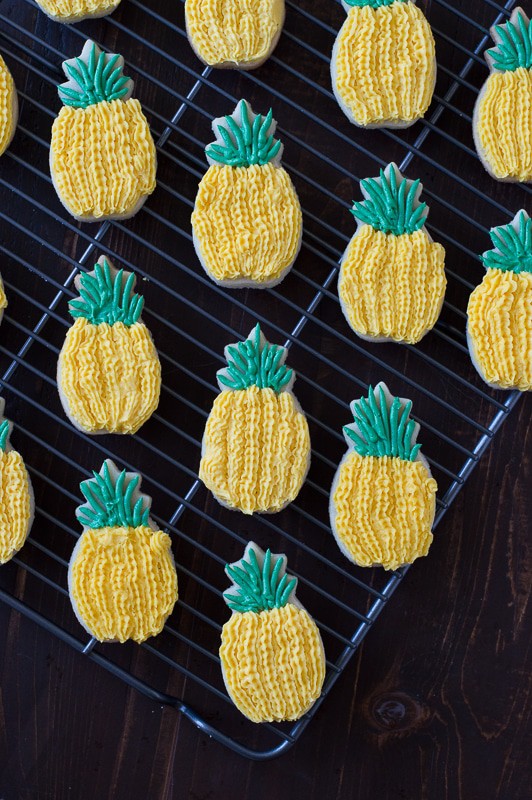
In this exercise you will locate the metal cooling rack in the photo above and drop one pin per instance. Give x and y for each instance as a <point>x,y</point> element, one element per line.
<point>192,319</point>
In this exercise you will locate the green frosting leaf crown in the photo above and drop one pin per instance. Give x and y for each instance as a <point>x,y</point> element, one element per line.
<point>106,296</point>
<point>260,582</point>
<point>94,77</point>
<point>4,434</point>
<point>512,246</point>
<point>372,3</point>
<point>391,203</point>
<point>113,499</point>
<point>382,426</point>
<point>513,44</point>
<point>244,138</point>
<point>255,362</point>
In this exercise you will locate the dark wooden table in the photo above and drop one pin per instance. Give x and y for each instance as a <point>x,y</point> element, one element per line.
<point>433,706</point>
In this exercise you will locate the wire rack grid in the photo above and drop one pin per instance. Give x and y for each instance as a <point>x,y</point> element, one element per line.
<point>191,319</point>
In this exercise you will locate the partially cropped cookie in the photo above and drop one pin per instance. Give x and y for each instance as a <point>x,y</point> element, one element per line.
<point>499,312</point>
<point>383,497</point>
<point>272,657</point>
<point>108,372</point>
<point>247,221</point>
<point>122,579</point>
<point>17,506</point>
<point>256,446</point>
<point>3,299</point>
<point>383,64</point>
<point>392,280</point>
<point>68,11</point>
<point>238,34</point>
<point>102,155</point>
<point>8,107</point>
<point>502,119</point>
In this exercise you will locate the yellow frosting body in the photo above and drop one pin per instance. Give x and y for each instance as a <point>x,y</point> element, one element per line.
<point>504,124</point>
<point>110,376</point>
<point>391,285</point>
<point>273,663</point>
<point>499,317</point>
<point>123,582</point>
<point>384,509</point>
<point>102,158</point>
<point>3,298</point>
<point>15,504</point>
<point>256,449</point>
<point>68,9</point>
<point>247,222</point>
<point>385,64</point>
<point>7,100</point>
<point>237,31</point>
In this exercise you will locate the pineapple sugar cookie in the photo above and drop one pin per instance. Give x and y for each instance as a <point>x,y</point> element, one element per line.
<point>272,657</point>
<point>102,155</point>
<point>255,452</point>
<point>8,107</point>
<point>392,280</point>
<point>383,63</point>
<point>108,372</point>
<point>247,221</point>
<point>122,579</point>
<point>17,506</point>
<point>499,312</point>
<point>502,118</point>
<point>68,11</point>
<point>238,34</point>
<point>383,496</point>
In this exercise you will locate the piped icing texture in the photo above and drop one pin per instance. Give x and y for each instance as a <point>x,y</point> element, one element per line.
<point>247,219</point>
<point>391,285</point>
<point>504,124</point>
<point>94,77</point>
<point>391,203</point>
<point>256,448</point>
<point>500,309</point>
<point>513,44</point>
<point>271,653</point>
<point>233,31</point>
<point>3,298</point>
<point>381,428</point>
<point>110,375</point>
<point>15,497</point>
<point>124,582</point>
<point>68,9</point>
<point>385,63</point>
<point>103,158</point>
<point>255,362</point>
<point>273,663</point>
<point>109,372</point>
<point>7,101</point>
<point>503,113</point>
<point>383,497</point>
<point>122,577</point>
<point>102,155</point>
<point>247,222</point>
<point>256,445</point>
<point>244,138</point>
<point>258,586</point>
<point>107,296</point>
<point>384,510</point>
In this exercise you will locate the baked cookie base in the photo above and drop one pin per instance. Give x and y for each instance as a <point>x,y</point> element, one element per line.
<point>397,125</point>
<point>88,218</point>
<point>245,283</point>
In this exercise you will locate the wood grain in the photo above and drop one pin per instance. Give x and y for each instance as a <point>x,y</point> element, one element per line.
<point>435,705</point>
